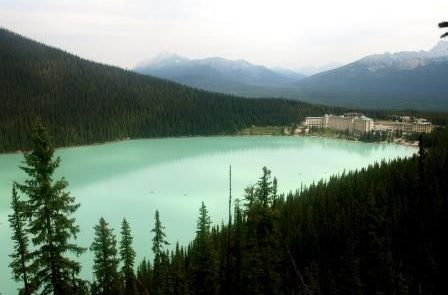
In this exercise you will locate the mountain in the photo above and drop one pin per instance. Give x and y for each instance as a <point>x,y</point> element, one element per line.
<point>85,102</point>
<point>400,80</point>
<point>237,77</point>
<point>404,80</point>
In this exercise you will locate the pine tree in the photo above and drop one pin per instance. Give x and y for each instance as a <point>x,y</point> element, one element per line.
<point>203,276</point>
<point>105,261</point>
<point>21,255</point>
<point>203,224</point>
<point>239,240</point>
<point>265,189</point>
<point>144,274</point>
<point>159,241</point>
<point>51,225</point>
<point>127,257</point>
<point>261,261</point>
<point>178,271</point>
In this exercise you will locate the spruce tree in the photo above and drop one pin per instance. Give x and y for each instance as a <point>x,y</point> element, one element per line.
<point>261,263</point>
<point>50,223</point>
<point>159,241</point>
<point>178,271</point>
<point>203,224</point>
<point>21,255</point>
<point>265,189</point>
<point>203,263</point>
<point>127,257</point>
<point>144,274</point>
<point>105,261</point>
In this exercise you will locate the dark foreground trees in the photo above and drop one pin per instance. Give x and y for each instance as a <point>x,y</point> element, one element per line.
<point>127,257</point>
<point>380,230</point>
<point>160,267</point>
<point>49,222</point>
<point>105,267</point>
<point>203,264</point>
<point>21,256</point>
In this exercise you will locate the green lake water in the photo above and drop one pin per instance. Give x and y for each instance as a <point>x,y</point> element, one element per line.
<point>134,178</point>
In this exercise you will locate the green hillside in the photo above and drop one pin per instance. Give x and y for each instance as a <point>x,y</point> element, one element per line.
<point>86,102</point>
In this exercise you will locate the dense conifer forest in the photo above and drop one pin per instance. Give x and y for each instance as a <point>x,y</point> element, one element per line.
<point>379,230</point>
<point>84,102</point>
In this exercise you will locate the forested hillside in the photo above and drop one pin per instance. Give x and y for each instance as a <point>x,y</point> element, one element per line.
<point>375,231</point>
<point>85,102</point>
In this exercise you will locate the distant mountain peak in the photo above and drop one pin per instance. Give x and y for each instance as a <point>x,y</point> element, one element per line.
<point>404,60</point>
<point>219,74</point>
<point>162,59</point>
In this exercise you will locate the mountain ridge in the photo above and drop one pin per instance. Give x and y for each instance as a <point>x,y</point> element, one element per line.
<point>238,77</point>
<point>401,80</point>
<point>394,80</point>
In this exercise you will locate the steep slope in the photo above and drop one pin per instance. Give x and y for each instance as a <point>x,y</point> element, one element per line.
<point>85,102</point>
<point>401,80</point>
<point>218,74</point>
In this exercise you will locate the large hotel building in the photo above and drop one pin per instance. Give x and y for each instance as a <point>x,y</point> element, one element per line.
<point>351,122</point>
<point>358,123</point>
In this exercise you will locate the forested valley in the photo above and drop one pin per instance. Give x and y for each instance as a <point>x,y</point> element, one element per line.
<point>83,102</point>
<point>379,230</point>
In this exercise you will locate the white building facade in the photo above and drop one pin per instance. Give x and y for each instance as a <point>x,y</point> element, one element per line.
<point>351,122</point>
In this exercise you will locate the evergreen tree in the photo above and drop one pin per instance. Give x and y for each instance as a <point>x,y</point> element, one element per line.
<point>203,224</point>
<point>203,268</point>
<point>262,240</point>
<point>160,269</point>
<point>105,261</point>
<point>51,225</point>
<point>144,274</point>
<point>178,270</point>
<point>127,257</point>
<point>159,240</point>
<point>265,189</point>
<point>21,255</point>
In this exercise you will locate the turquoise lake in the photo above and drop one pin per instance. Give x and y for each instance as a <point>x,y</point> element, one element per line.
<point>134,178</point>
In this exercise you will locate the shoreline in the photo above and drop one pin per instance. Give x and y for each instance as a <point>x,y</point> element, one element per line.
<point>397,142</point>
<point>400,142</point>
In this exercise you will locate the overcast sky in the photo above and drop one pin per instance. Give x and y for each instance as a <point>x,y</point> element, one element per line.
<point>292,34</point>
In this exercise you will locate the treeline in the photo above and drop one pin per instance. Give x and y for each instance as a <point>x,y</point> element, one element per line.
<point>379,136</point>
<point>379,230</point>
<point>84,102</point>
<point>437,118</point>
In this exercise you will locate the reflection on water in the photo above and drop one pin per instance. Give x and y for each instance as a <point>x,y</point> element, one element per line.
<point>134,178</point>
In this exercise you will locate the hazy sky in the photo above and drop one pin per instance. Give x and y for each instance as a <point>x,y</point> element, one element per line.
<point>287,33</point>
